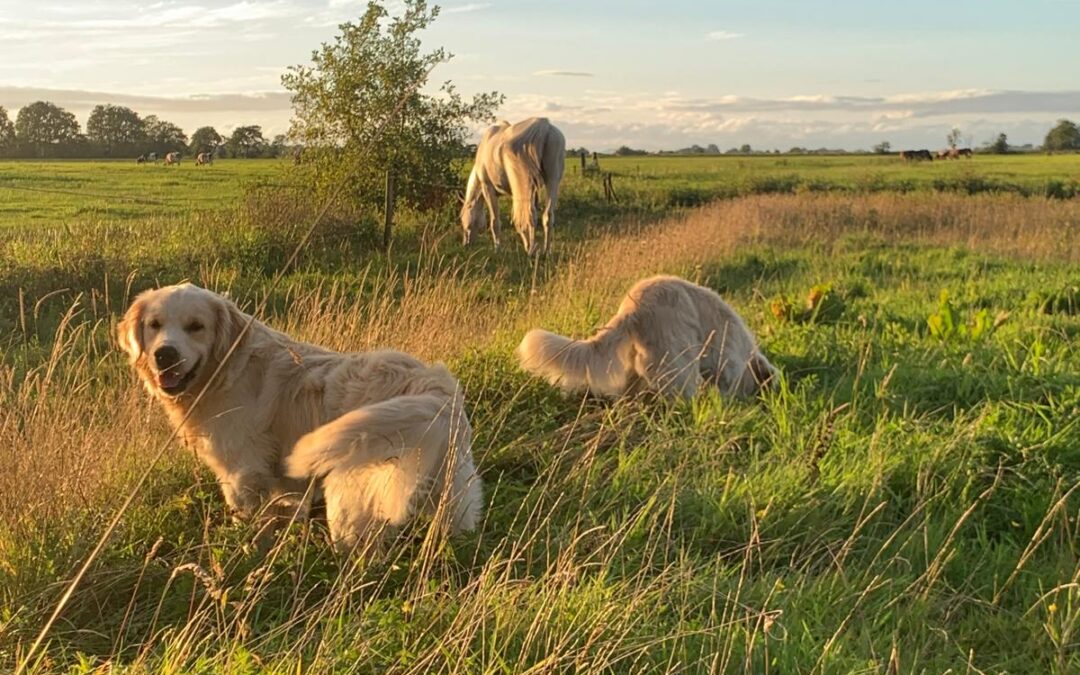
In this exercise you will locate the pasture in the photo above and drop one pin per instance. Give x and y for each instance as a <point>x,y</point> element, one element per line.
<point>62,192</point>
<point>905,502</point>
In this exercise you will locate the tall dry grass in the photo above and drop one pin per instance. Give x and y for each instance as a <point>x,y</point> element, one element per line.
<point>77,414</point>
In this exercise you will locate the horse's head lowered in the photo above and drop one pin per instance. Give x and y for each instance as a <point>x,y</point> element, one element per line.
<point>472,219</point>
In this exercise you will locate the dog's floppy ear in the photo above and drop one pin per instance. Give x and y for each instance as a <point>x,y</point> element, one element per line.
<point>228,327</point>
<point>129,332</point>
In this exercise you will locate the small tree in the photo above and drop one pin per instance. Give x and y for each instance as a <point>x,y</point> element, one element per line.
<point>115,128</point>
<point>7,132</point>
<point>247,142</point>
<point>279,146</point>
<point>1000,146</point>
<point>745,149</point>
<point>1064,136</point>
<point>205,139</point>
<point>882,148</point>
<point>163,137</point>
<point>953,138</point>
<point>359,111</point>
<point>45,126</point>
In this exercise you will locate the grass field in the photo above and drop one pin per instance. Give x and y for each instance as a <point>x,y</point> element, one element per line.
<point>906,502</point>
<point>59,192</point>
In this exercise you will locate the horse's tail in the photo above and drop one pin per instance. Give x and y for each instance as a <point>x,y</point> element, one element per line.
<point>553,160</point>
<point>524,169</point>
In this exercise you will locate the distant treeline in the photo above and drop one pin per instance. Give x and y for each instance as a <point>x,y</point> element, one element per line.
<point>1063,137</point>
<point>43,130</point>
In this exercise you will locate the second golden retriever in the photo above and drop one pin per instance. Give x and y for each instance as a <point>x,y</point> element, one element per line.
<point>668,336</point>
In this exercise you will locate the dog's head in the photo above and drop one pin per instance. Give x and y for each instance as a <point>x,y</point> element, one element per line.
<point>176,336</point>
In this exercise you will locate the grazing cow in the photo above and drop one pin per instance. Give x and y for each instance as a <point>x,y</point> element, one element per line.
<point>946,154</point>
<point>204,158</point>
<point>916,155</point>
<point>172,158</point>
<point>152,157</point>
<point>141,159</point>
<point>965,152</point>
<point>515,159</point>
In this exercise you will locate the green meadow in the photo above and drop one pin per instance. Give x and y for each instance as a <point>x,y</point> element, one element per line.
<point>905,501</point>
<point>60,192</point>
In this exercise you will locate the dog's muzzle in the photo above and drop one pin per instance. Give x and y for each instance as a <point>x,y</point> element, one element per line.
<point>171,377</point>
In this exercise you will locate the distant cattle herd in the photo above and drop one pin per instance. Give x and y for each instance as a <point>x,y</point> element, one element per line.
<point>926,155</point>
<point>173,159</point>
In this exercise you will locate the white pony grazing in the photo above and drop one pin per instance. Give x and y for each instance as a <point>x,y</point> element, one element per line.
<point>515,159</point>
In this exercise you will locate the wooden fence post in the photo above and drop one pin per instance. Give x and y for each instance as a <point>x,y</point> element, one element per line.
<point>388,210</point>
<point>609,188</point>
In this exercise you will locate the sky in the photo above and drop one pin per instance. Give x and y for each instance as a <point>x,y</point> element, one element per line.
<point>648,74</point>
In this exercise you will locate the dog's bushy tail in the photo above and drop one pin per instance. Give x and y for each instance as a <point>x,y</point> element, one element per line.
<point>369,435</point>
<point>602,364</point>
<point>375,460</point>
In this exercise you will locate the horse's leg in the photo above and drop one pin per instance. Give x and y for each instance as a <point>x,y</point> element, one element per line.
<point>528,238</point>
<point>491,198</point>
<point>549,215</point>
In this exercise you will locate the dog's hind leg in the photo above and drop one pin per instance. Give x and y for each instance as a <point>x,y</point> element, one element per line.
<point>353,507</point>
<point>672,375</point>
<point>466,501</point>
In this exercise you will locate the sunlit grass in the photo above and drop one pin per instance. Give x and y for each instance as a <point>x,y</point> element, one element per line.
<point>903,502</point>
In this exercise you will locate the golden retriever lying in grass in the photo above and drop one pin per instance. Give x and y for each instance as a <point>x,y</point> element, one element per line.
<point>668,336</point>
<point>385,433</point>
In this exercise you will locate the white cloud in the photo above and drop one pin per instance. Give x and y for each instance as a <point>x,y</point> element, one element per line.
<point>937,96</point>
<point>131,20</point>
<point>463,9</point>
<point>561,73</point>
<point>604,119</point>
<point>718,35</point>
<point>78,100</point>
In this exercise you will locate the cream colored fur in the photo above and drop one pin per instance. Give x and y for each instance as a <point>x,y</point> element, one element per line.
<point>386,434</point>
<point>668,336</point>
<point>515,160</point>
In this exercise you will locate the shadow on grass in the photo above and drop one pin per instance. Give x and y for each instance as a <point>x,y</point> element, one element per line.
<point>748,270</point>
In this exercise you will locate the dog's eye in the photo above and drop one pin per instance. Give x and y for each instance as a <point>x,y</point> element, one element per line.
<point>193,327</point>
<point>154,324</point>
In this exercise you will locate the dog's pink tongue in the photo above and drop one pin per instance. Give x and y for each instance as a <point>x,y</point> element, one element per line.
<point>167,379</point>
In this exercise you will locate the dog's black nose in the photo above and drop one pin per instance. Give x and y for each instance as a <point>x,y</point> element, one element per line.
<point>166,357</point>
